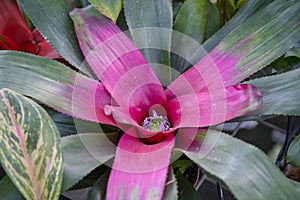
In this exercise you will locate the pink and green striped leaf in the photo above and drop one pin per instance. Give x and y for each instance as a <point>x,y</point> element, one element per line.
<point>251,46</point>
<point>31,152</point>
<point>55,85</point>
<point>90,149</point>
<point>109,8</point>
<point>245,169</point>
<point>139,170</point>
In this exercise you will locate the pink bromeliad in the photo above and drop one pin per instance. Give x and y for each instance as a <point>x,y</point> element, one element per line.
<point>15,34</point>
<point>154,119</point>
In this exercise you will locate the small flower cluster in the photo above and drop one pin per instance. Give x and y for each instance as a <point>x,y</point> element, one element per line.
<point>156,123</point>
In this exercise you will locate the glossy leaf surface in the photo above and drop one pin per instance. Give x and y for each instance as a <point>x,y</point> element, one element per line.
<point>31,151</point>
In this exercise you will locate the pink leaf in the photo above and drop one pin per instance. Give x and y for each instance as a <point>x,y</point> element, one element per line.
<point>210,72</point>
<point>212,107</point>
<point>88,99</point>
<point>139,170</point>
<point>109,51</point>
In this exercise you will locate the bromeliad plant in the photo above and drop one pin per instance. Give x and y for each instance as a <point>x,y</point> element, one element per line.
<point>155,123</point>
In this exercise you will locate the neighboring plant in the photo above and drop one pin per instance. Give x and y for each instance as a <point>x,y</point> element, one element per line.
<point>15,33</point>
<point>145,103</point>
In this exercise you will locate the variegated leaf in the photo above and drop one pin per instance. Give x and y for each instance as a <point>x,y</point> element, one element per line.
<point>30,147</point>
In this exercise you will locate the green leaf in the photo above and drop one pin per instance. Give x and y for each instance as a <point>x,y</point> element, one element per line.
<point>185,188</point>
<point>109,8</point>
<point>50,82</point>
<point>65,124</point>
<point>196,21</point>
<point>53,21</point>
<point>182,164</point>
<point>91,179</point>
<point>280,94</point>
<point>246,170</point>
<point>227,9</point>
<point>190,24</point>
<point>9,190</point>
<point>170,192</point>
<point>30,147</point>
<point>250,8</point>
<point>293,154</point>
<point>261,39</point>
<point>83,153</point>
<point>295,51</point>
<point>98,191</point>
<point>284,62</point>
<point>296,185</point>
<point>150,24</point>
<point>240,3</point>
<point>121,21</point>
<point>213,20</point>
<point>191,19</point>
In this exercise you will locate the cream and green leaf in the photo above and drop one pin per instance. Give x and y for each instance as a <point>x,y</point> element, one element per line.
<point>30,148</point>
